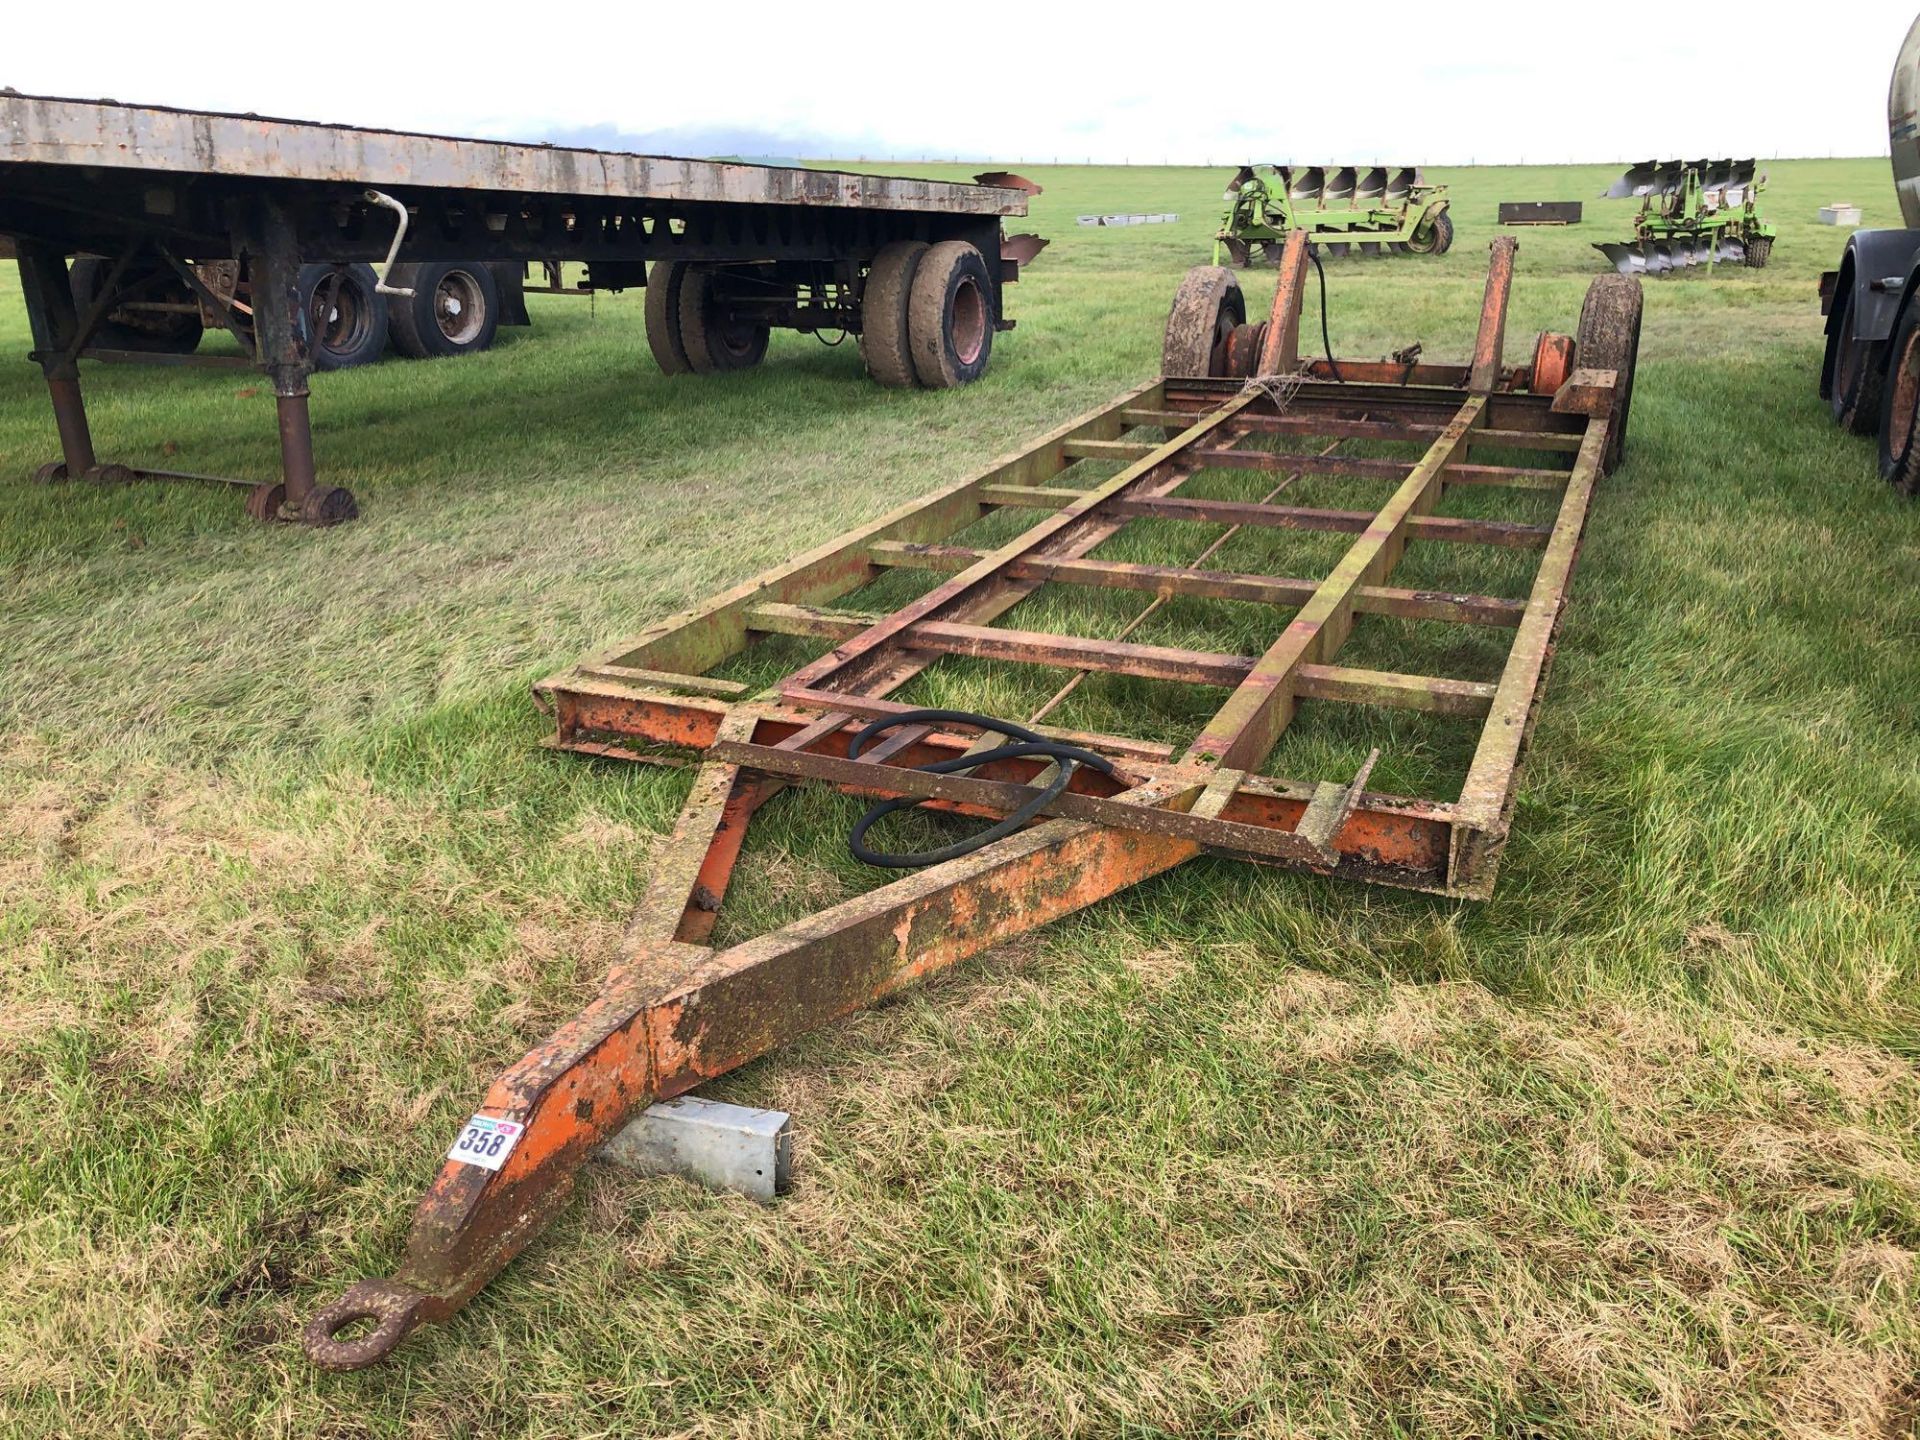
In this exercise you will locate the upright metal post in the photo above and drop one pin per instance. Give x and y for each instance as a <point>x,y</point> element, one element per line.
<point>283,351</point>
<point>1484,377</point>
<point>54,322</point>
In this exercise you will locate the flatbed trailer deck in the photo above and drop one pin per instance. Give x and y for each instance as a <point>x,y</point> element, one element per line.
<point>733,250</point>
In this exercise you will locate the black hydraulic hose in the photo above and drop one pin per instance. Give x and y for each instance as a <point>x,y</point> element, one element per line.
<point>1067,758</point>
<point>1325,343</point>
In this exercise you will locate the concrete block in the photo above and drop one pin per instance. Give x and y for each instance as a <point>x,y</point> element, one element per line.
<point>719,1146</point>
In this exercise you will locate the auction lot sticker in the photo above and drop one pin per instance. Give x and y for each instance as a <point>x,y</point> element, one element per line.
<point>486,1142</point>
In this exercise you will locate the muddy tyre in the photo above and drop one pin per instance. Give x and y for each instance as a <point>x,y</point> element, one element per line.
<point>1857,375</point>
<point>454,309</point>
<point>146,332</point>
<point>346,315</point>
<point>886,345</point>
<point>1439,238</point>
<point>1759,251</point>
<point>950,316</point>
<point>1900,408</point>
<point>1609,339</point>
<point>717,338</point>
<point>1206,308</point>
<point>663,316</point>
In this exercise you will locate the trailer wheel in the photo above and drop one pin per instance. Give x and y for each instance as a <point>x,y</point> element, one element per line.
<point>1900,408</point>
<point>950,316</point>
<point>1759,251</point>
<point>1859,375</point>
<point>714,338</point>
<point>1439,237</point>
<point>1553,357</point>
<point>885,344</point>
<point>148,332</point>
<point>663,316</point>
<point>454,309</point>
<point>1206,308</point>
<point>346,315</point>
<point>1609,339</point>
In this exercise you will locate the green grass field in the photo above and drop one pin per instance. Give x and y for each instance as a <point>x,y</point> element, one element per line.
<point>1631,1150</point>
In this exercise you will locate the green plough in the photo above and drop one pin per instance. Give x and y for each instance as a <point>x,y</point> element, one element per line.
<point>1692,212</point>
<point>1376,208</point>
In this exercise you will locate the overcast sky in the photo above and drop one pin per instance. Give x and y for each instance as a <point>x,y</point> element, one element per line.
<point>1428,83</point>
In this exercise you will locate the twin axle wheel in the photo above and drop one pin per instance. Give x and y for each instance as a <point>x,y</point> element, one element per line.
<point>927,316</point>
<point>1873,388</point>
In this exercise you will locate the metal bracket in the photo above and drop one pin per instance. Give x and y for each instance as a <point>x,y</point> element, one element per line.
<point>715,1145</point>
<point>1332,806</point>
<point>380,197</point>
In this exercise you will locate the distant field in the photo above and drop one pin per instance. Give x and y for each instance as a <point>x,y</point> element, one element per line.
<point>1632,1150</point>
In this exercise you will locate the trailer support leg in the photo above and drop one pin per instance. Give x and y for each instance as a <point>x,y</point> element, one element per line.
<point>283,351</point>
<point>54,322</point>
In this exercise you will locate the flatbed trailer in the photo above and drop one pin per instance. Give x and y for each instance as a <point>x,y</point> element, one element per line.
<point>916,268</point>
<point>1076,816</point>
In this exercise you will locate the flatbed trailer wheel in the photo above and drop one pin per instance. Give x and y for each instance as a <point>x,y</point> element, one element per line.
<point>1609,339</point>
<point>950,315</point>
<point>1857,372</point>
<point>663,316</point>
<point>454,309</point>
<point>1900,408</point>
<point>715,338</point>
<point>1206,308</point>
<point>885,343</point>
<point>346,315</point>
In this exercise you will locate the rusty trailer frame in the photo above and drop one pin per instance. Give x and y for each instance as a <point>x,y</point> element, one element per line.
<point>675,1010</point>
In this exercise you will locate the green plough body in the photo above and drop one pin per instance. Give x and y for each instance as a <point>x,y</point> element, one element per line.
<point>1692,212</point>
<point>1376,208</point>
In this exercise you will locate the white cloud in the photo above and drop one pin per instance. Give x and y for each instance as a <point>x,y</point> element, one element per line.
<point>1421,82</point>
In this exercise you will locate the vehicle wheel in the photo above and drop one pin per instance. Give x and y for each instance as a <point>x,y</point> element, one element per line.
<point>1759,251</point>
<point>1242,350</point>
<point>950,316</point>
<point>1206,308</point>
<point>328,505</point>
<point>1900,408</point>
<point>1858,374</point>
<point>1553,357</point>
<point>1609,339</point>
<point>715,338</point>
<point>663,316</point>
<point>1439,237</point>
<point>885,344</point>
<point>265,499</point>
<point>346,315</point>
<point>454,309</point>
<point>150,333</point>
